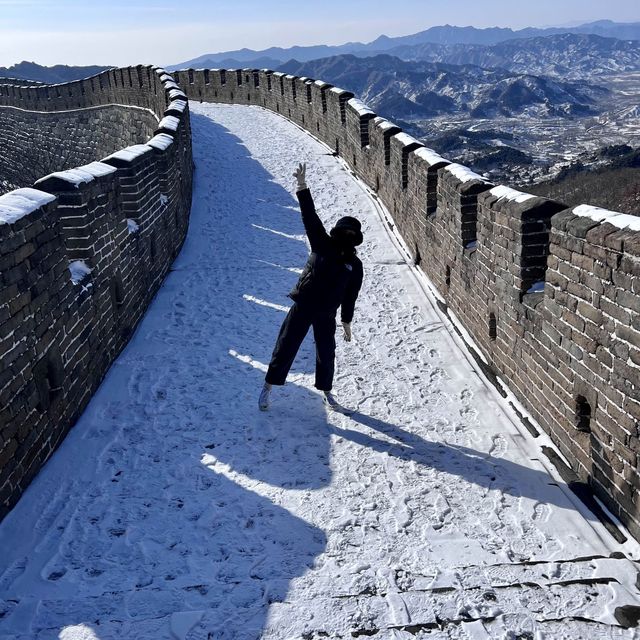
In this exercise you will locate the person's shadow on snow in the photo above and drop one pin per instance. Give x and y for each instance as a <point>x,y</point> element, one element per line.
<point>254,226</point>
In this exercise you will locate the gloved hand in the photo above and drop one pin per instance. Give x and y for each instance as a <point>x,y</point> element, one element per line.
<point>300,175</point>
<point>346,327</point>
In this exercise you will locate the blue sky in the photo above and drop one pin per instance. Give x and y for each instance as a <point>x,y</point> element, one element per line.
<point>161,32</point>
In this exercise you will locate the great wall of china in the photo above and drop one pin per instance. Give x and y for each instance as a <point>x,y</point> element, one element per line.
<point>549,296</point>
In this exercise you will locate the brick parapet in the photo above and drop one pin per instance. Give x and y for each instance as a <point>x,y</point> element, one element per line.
<point>122,220</point>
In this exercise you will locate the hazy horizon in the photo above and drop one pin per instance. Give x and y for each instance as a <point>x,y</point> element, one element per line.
<point>159,32</point>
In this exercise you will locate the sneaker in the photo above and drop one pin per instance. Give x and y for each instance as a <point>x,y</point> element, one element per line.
<point>330,400</point>
<point>264,400</point>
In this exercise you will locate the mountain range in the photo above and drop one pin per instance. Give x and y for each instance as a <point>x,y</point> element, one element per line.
<point>441,35</point>
<point>49,75</point>
<point>413,90</point>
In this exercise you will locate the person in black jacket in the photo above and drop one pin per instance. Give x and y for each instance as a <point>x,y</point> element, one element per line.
<point>331,278</point>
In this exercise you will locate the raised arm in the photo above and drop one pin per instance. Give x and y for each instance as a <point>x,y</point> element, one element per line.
<point>318,237</point>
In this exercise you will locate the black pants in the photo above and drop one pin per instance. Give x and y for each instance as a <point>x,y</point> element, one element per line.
<point>292,333</point>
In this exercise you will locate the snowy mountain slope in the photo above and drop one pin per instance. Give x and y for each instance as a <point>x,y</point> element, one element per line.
<point>397,88</point>
<point>190,514</point>
<point>567,56</point>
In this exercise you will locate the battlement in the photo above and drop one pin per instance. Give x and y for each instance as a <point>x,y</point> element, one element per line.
<point>82,255</point>
<point>549,296</point>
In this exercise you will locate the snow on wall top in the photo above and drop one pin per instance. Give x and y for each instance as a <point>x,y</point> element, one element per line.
<point>620,220</point>
<point>339,91</point>
<point>384,124</point>
<point>169,122</point>
<point>360,107</point>
<point>81,175</point>
<point>162,141</point>
<point>321,83</point>
<point>177,105</point>
<point>22,202</point>
<point>406,139</point>
<point>177,94</point>
<point>129,153</point>
<point>464,174</point>
<point>507,193</point>
<point>429,155</point>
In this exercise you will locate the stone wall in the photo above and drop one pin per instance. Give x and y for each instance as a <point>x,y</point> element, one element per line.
<point>550,296</point>
<point>34,144</point>
<point>82,255</point>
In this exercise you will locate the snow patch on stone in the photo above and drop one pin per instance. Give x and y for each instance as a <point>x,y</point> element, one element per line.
<point>429,155</point>
<point>177,105</point>
<point>507,193</point>
<point>21,202</point>
<point>405,139</point>
<point>617,219</point>
<point>360,107</point>
<point>464,174</point>
<point>162,141</point>
<point>130,153</point>
<point>536,287</point>
<point>169,122</point>
<point>132,226</point>
<point>384,124</point>
<point>79,271</point>
<point>81,175</point>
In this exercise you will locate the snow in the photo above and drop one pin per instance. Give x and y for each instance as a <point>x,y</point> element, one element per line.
<point>536,287</point>
<point>360,107</point>
<point>383,124</point>
<point>81,175</point>
<point>617,219</point>
<point>338,91</point>
<point>177,94</point>
<point>169,122</point>
<point>464,174</point>
<point>177,105</point>
<point>190,514</point>
<point>320,83</point>
<point>161,141</point>
<point>79,271</point>
<point>430,156</point>
<point>405,139</point>
<point>507,193</point>
<point>132,226</point>
<point>21,202</point>
<point>129,154</point>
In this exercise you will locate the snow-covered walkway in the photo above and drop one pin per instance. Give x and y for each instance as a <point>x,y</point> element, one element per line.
<point>175,509</point>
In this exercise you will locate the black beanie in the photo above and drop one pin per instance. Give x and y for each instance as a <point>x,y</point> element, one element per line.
<point>347,223</point>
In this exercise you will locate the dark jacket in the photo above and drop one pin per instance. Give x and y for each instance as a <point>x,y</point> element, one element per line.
<point>332,276</point>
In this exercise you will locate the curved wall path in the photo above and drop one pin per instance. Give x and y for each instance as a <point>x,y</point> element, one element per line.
<point>190,514</point>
